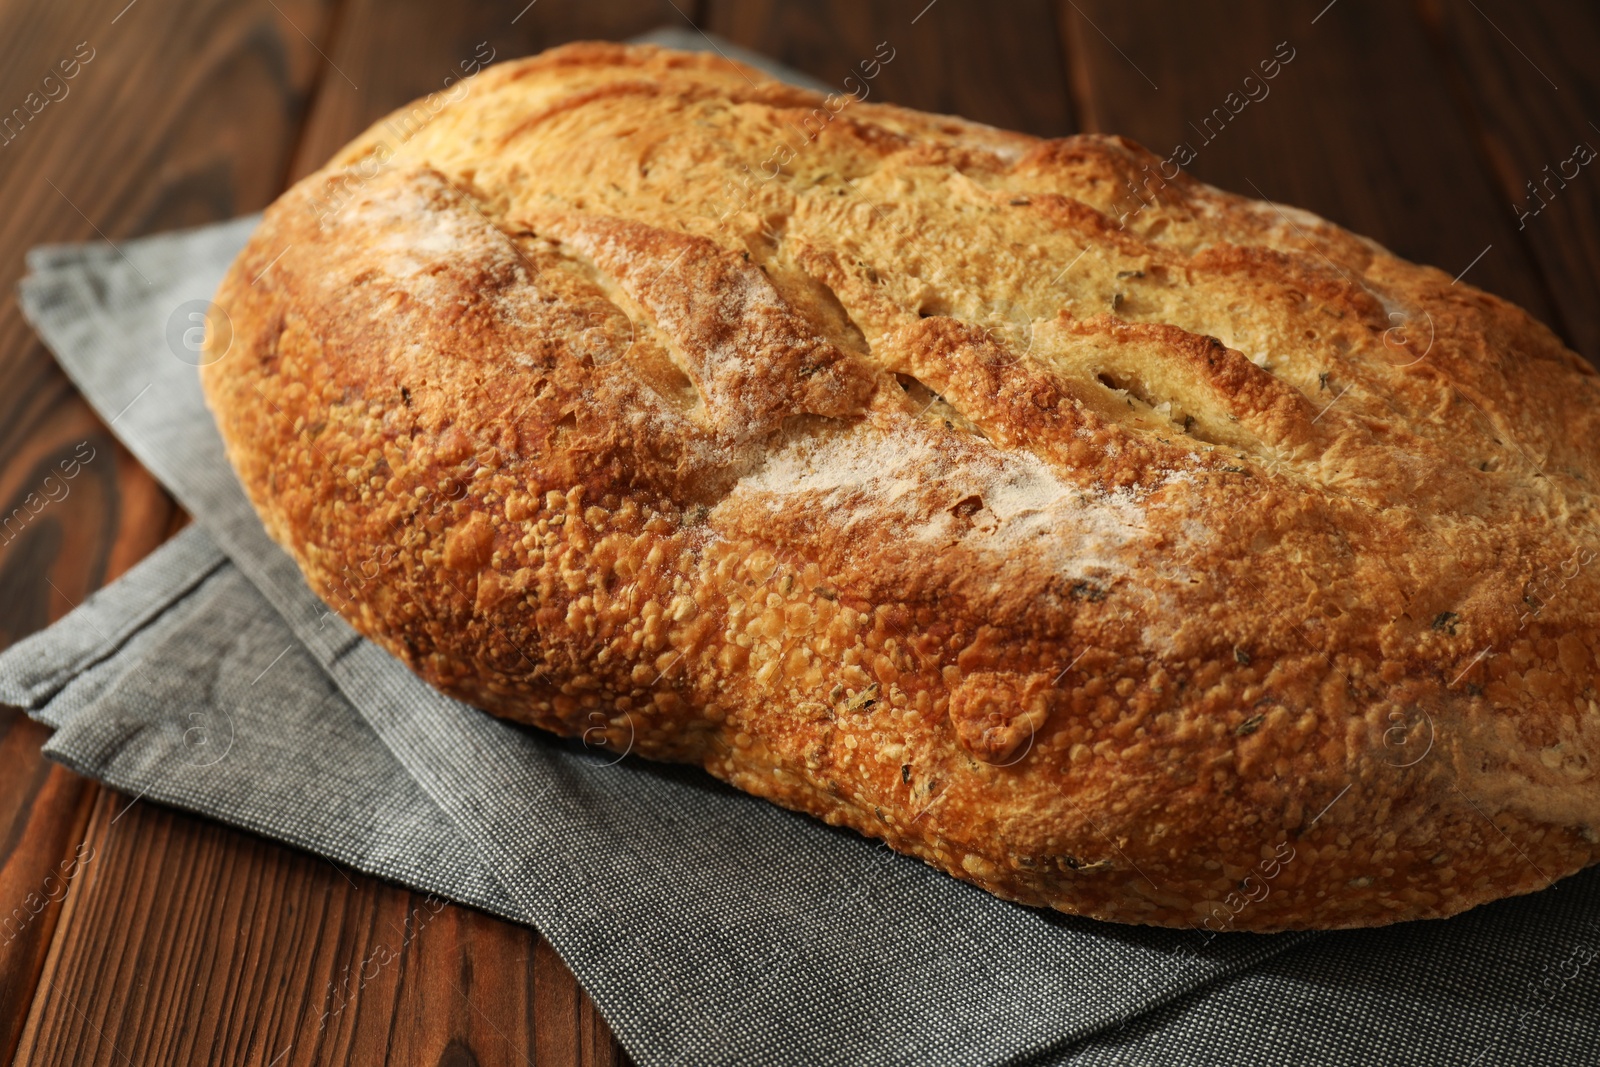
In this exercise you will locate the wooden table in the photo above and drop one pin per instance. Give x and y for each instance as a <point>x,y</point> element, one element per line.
<point>1418,125</point>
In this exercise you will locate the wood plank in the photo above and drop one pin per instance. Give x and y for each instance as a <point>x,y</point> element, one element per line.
<point>1527,71</point>
<point>78,510</point>
<point>392,53</point>
<point>183,941</point>
<point>75,507</point>
<point>994,63</point>
<point>131,133</point>
<point>1359,126</point>
<point>43,811</point>
<point>107,159</point>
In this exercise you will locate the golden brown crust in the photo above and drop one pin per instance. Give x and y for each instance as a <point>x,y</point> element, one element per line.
<point>1110,541</point>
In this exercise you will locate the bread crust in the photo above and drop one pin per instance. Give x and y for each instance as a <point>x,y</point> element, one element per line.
<point>1109,541</point>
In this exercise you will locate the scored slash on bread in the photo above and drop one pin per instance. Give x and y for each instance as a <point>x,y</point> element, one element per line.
<point>1095,557</point>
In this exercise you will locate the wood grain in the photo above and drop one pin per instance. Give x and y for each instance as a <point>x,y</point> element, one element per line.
<point>1358,127</point>
<point>392,53</point>
<point>183,941</point>
<point>137,139</point>
<point>43,810</point>
<point>1527,72</point>
<point>1000,65</point>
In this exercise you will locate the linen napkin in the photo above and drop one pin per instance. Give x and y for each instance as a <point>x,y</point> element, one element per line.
<point>708,926</point>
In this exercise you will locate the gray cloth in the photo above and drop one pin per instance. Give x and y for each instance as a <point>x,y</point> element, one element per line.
<point>709,927</point>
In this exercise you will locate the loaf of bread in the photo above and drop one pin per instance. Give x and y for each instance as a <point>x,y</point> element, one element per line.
<point>1111,542</point>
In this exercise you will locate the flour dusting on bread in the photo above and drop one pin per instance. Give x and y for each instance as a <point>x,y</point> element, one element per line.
<point>1095,557</point>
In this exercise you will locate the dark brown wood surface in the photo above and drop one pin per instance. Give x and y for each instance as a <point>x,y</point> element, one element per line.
<point>139,935</point>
